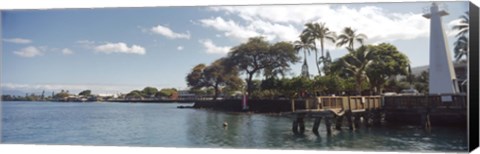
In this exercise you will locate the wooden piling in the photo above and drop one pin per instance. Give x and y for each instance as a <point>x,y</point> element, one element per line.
<point>316,124</point>
<point>293,105</point>
<point>357,121</point>
<point>301,124</point>
<point>339,122</point>
<point>366,118</point>
<point>349,117</point>
<point>295,127</point>
<point>377,117</point>
<point>425,121</point>
<point>328,125</point>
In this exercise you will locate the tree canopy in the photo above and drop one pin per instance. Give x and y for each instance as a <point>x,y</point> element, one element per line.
<point>257,55</point>
<point>217,75</point>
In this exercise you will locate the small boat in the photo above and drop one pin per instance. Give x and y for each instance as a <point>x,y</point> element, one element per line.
<point>183,107</point>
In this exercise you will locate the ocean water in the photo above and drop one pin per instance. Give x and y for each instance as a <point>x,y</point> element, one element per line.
<point>163,125</point>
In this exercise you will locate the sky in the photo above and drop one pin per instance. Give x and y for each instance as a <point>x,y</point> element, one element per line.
<point>116,50</point>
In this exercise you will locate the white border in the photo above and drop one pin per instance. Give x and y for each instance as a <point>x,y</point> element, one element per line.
<point>56,4</point>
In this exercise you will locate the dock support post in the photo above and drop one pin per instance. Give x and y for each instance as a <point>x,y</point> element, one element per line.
<point>366,118</point>
<point>425,121</point>
<point>295,127</point>
<point>357,121</point>
<point>301,124</point>
<point>293,105</point>
<point>349,120</point>
<point>339,122</point>
<point>328,125</point>
<point>377,117</point>
<point>316,124</point>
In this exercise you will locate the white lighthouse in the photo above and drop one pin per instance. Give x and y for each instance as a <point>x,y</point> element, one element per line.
<point>442,79</point>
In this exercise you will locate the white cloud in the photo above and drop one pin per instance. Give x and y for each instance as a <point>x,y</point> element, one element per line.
<point>29,52</point>
<point>18,40</point>
<point>167,32</point>
<point>214,49</point>
<point>67,51</point>
<point>285,22</point>
<point>230,28</point>
<point>179,48</point>
<point>86,44</point>
<point>120,48</point>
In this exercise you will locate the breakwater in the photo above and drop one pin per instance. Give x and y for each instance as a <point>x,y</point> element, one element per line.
<point>257,106</point>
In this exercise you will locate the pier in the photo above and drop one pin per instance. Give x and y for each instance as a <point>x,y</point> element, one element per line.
<point>369,111</point>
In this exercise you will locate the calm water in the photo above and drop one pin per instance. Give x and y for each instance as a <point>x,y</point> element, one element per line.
<point>163,125</point>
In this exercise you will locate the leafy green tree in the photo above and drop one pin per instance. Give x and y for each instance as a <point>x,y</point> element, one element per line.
<point>257,55</point>
<point>166,92</point>
<point>280,56</point>
<point>329,84</point>
<point>85,93</point>
<point>149,91</point>
<point>135,94</point>
<point>320,32</point>
<point>349,37</point>
<point>62,94</point>
<point>387,62</point>
<point>216,76</point>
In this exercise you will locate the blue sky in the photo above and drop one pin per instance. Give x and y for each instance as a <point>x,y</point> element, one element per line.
<point>113,50</point>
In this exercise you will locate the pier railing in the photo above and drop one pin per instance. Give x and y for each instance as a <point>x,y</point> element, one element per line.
<point>344,103</point>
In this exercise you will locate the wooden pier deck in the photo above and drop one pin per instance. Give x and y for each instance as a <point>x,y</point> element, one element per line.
<point>333,108</point>
<point>372,110</point>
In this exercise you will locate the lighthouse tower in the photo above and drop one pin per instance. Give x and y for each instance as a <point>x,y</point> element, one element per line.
<point>442,79</point>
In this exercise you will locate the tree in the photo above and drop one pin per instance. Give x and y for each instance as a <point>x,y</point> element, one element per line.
<point>135,94</point>
<point>387,62</point>
<point>165,92</point>
<point>463,26</point>
<point>306,44</point>
<point>461,45</point>
<point>279,57</point>
<point>321,32</point>
<point>217,75</point>
<point>349,37</point>
<point>149,91</point>
<point>257,55</point>
<point>357,62</point>
<point>327,62</point>
<point>62,94</point>
<point>85,93</point>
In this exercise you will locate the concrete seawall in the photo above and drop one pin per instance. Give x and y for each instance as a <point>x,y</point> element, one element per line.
<point>258,106</point>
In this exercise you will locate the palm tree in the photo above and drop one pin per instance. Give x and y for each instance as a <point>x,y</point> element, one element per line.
<point>461,45</point>
<point>321,32</point>
<point>357,62</point>
<point>462,27</point>
<point>306,44</point>
<point>348,37</point>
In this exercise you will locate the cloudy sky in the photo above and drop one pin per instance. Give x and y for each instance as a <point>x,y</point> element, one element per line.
<point>111,50</point>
